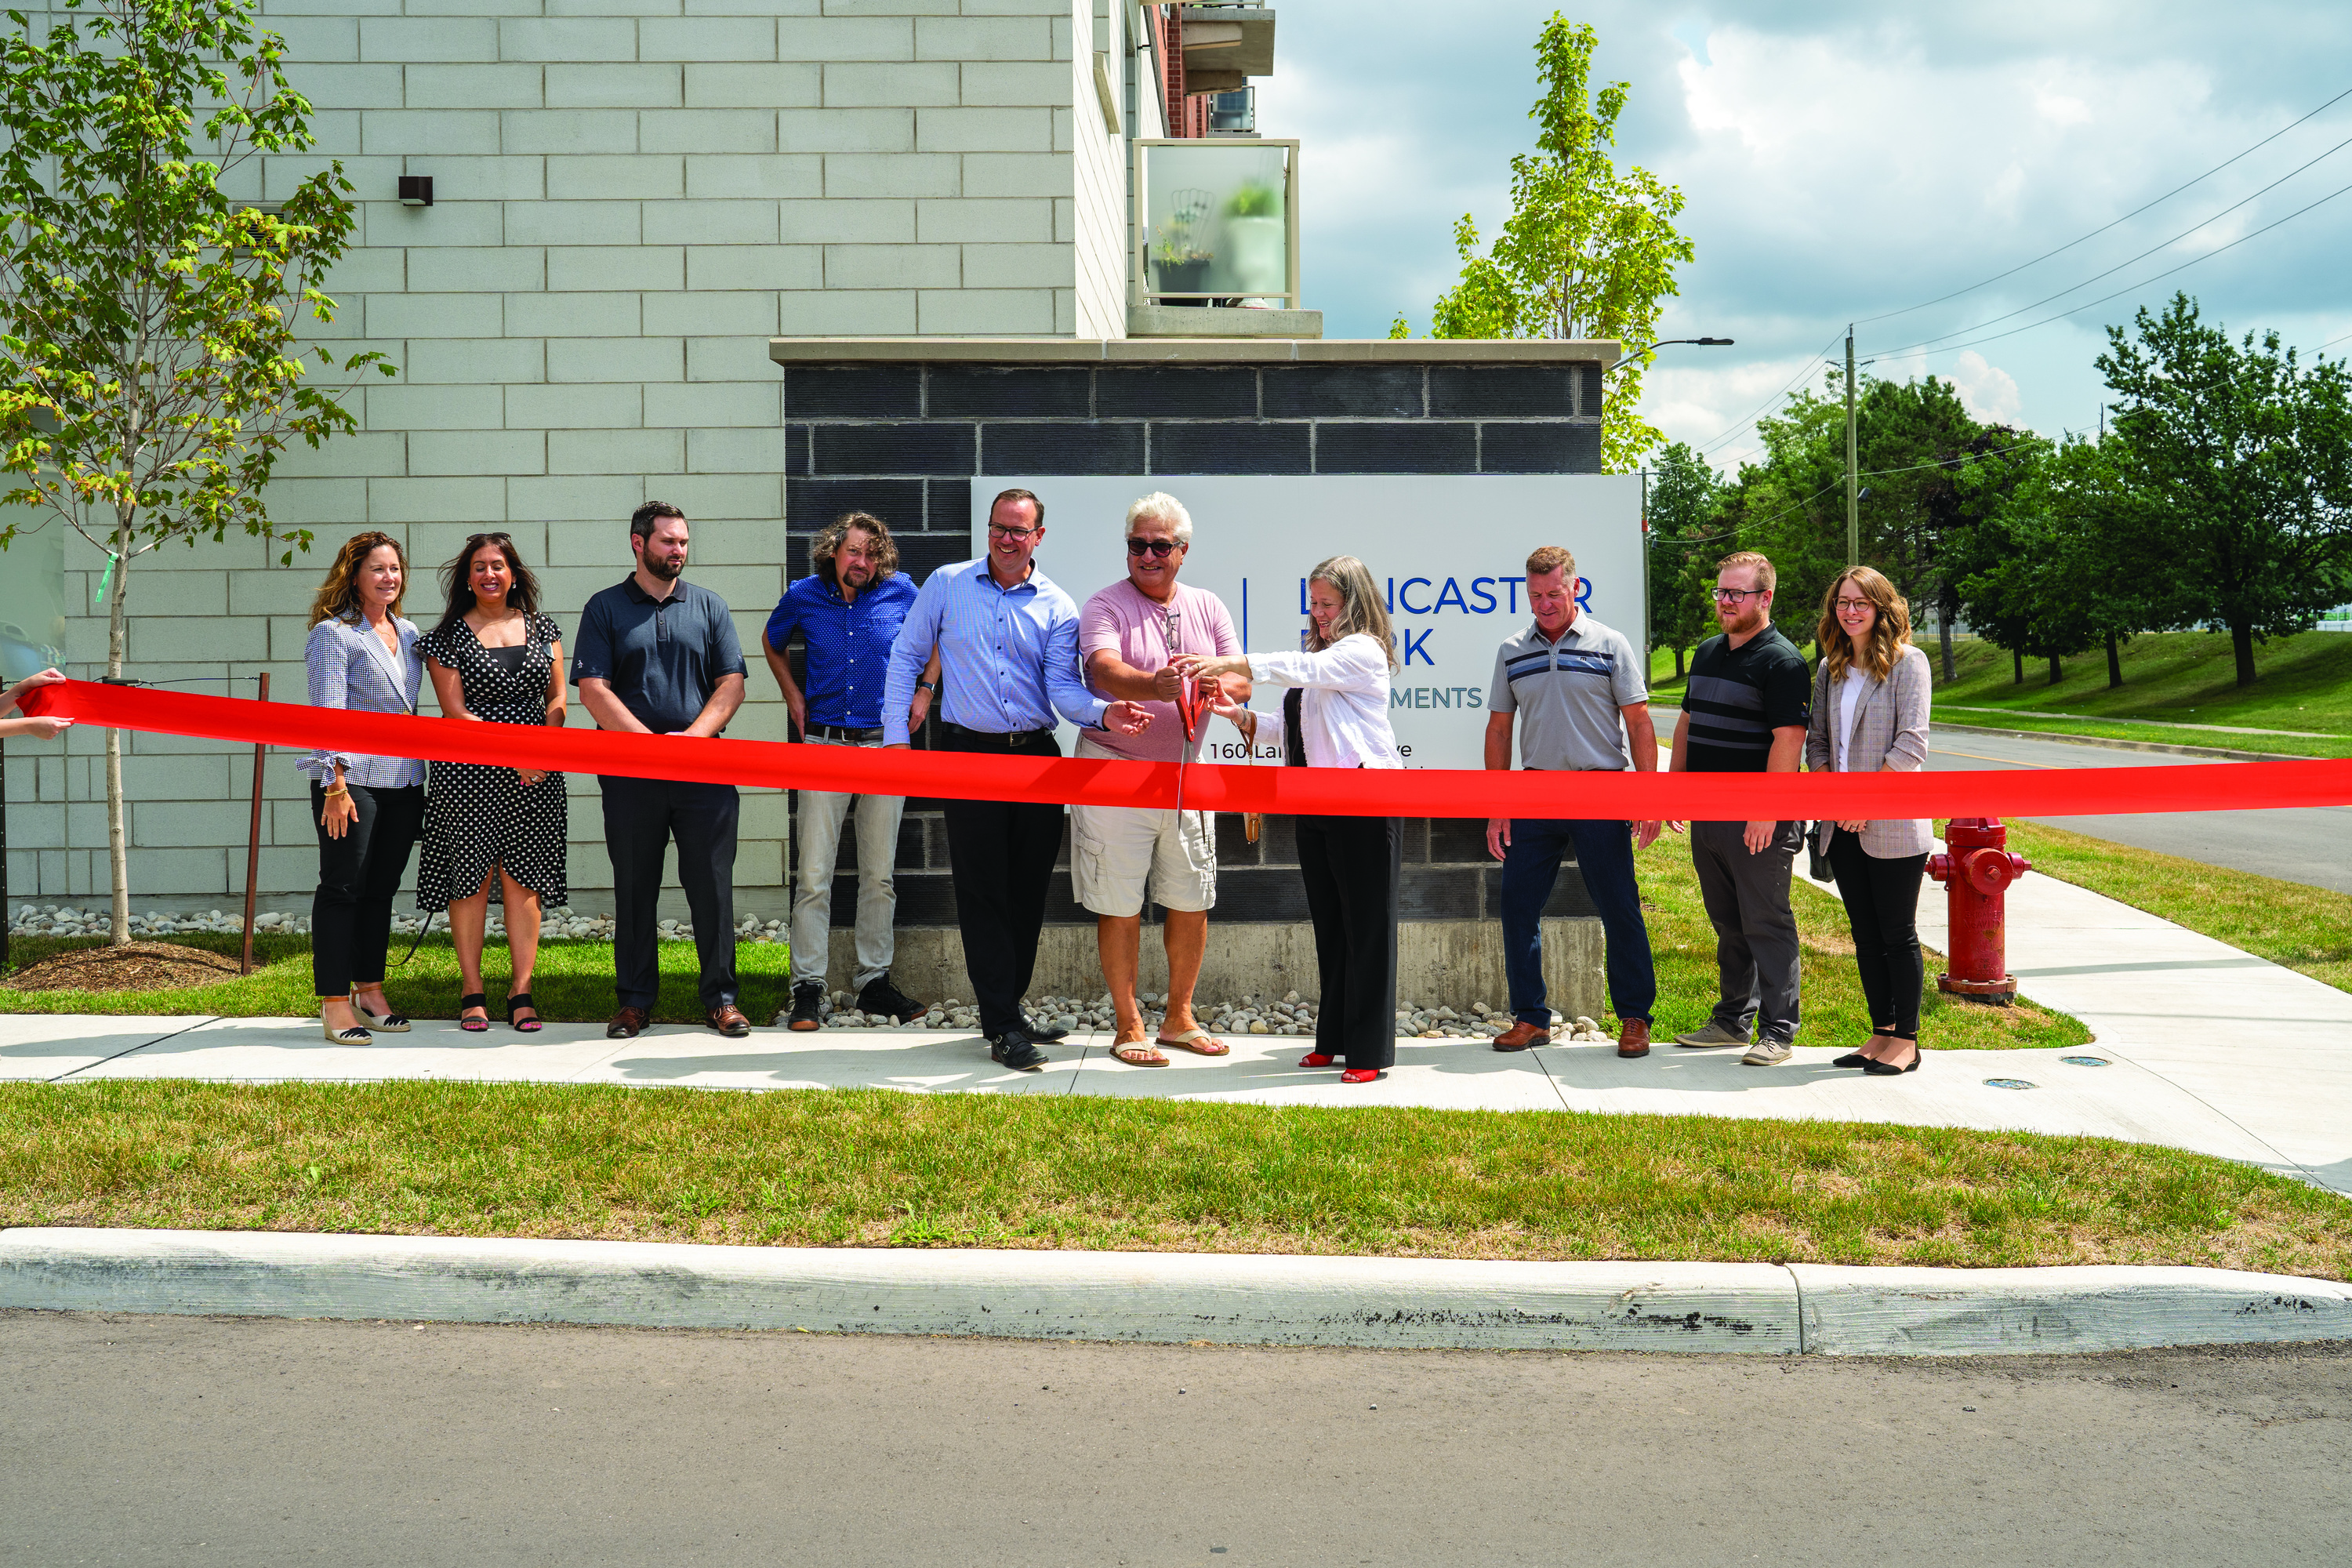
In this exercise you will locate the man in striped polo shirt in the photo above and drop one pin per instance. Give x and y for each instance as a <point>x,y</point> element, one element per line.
<point>1578,688</point>
<point>1744,711</point>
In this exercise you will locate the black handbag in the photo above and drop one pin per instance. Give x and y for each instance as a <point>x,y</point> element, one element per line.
<point>1817,858</point>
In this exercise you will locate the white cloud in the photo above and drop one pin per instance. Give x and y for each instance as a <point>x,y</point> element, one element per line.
<point>1988,392</point>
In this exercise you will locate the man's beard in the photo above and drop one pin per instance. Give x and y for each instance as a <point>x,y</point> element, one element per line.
<point>669,571</point>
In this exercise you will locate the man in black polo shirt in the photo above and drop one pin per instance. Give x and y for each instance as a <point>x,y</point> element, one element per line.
<point>657,655</point>
<point>1744,711</point>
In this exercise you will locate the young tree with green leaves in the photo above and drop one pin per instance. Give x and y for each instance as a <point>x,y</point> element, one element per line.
<point>1684,497</point>
<point>2239,462</point>
<point>150,374</point>
<point>1588,252</point>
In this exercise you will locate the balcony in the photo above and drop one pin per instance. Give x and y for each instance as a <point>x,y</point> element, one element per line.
<point>1226,42</point>
<point>1214,241</point>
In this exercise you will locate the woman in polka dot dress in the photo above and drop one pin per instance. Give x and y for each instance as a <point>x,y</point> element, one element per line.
<point>495,660</point>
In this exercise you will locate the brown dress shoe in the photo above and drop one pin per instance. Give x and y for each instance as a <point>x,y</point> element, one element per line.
<point>1633,1037</point>
<point>728,1021</point>
<point>626,1025</point>
<point>1522,1035</point>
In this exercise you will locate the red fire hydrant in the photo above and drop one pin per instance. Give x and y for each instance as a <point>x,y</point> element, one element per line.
<point>1977,869</point>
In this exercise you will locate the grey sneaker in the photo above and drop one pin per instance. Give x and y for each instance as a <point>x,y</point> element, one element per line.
<point>1768,1053</point>
<point>1713,1034</point>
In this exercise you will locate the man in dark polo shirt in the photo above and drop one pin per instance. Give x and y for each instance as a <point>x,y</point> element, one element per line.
<point>655,655</point>
<point>1744,711</point>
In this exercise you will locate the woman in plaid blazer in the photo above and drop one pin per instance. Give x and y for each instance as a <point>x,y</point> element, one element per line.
<point>1870,714</point>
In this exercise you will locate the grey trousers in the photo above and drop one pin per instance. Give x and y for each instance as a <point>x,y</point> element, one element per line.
<point>1747,898</point>
<point>822,815</point>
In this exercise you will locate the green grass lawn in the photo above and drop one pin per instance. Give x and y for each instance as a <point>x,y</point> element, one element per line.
<point>573,984</point>
<point>575,979</point>
<point>2170,677</point>
<point>877,1168</point>
<point>2303,928</point>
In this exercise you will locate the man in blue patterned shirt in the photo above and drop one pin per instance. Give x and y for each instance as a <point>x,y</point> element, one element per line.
<point>847,610</point>
<point>1008,640</point>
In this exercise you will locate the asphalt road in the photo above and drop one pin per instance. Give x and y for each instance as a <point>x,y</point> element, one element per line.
<point>196,1441</point>
<point>2311,843</point>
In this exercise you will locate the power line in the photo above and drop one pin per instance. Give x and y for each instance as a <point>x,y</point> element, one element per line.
<point>1812,368</point>
<point>2127,261</point>
<point>2133,288</point>
<point>2103,227</point>
<point>1865,474</point>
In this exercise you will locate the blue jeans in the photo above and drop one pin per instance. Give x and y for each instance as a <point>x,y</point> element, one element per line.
<point>1604,855</point>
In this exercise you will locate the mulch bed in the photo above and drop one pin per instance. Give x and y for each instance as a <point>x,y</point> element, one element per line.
<point>142,966</point>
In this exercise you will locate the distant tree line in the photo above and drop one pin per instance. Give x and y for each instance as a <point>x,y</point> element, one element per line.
<point>2220,495</point>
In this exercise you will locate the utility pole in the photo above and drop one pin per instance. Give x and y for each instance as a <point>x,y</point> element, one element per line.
<point>1853,497</point>
<point>1647,609</point>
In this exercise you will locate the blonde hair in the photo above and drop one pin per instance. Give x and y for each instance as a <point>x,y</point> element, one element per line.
<point>339,596</point>
<point>1890,633</point>
<point>1360,609</point>
<point>1765,575</point>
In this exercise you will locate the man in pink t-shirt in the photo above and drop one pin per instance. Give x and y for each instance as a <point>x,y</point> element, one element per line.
<point>1127,635</point>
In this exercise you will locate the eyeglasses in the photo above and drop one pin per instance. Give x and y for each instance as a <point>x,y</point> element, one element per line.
<point>998,531</point>
<point>1845,604</point>
<point>1733,596</point>
<point>1157,549</point>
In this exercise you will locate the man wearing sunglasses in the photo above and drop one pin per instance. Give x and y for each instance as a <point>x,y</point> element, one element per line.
<point>1128,634</point>
<point>1744,711</point>
<point>1008,644</point>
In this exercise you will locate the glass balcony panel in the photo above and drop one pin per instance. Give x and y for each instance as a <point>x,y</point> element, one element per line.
<point>1216,222</point>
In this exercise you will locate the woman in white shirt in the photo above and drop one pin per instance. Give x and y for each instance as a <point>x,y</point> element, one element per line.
<point>1336,716</point>
<point>1870,715</point>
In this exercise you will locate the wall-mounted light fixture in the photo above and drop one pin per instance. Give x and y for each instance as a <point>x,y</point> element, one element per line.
<point>416,190</point>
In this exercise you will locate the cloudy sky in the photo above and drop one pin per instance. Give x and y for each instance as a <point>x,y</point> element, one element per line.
<point>1847,160</point>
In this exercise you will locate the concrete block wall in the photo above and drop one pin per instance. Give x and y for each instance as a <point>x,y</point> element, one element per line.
<point>906,441</point>
<point>631,198</point>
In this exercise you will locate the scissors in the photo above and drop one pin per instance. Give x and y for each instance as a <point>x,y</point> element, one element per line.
<point>1189,705</point>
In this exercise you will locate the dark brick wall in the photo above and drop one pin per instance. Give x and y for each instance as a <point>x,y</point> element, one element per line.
<point>903,441</point>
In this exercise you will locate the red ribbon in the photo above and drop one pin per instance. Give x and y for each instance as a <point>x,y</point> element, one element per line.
<point>1312,792</point>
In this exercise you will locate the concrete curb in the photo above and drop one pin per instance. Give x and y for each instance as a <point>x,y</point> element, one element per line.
<point>2114,742</point>
<point>1166,1297</point>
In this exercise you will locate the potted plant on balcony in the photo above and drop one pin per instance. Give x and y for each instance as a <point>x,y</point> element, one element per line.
<point>1254,240</point>
<point>1179,257</point>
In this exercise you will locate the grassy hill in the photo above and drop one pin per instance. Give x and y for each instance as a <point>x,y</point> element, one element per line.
<point>2304,683</point>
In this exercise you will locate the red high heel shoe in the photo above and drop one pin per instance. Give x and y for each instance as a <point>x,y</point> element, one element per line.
<point>1316,1060</point>
<point>1360,1075</point>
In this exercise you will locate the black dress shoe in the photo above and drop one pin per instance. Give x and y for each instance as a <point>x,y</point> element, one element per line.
<point>808,1006</point>
<point>1012,1048</point>
<point>879,995</point>
<point>1038,1030</point>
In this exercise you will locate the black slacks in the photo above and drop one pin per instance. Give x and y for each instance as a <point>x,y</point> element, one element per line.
<point>1352,865</point>
<point>641,816</point>
<point>1882,905</point>
<point>1002,855</point>
<point>359,875</point>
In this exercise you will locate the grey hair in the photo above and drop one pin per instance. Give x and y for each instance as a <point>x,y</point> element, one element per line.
<point>1167,509</point>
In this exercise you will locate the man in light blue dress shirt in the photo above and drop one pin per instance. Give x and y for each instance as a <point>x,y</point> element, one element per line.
<point>1008,644</point>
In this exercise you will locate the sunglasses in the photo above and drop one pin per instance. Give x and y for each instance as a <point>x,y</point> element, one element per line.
<point>1159,549</point>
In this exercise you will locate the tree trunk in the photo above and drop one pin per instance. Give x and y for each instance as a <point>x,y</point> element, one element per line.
<point>1944,640</point>
<point>2017,660</point>
<point>2056,674</point>
<point>118,838</point>
<point>2242,642</point>
<point>2114,663</point>
<point>1678,664</point>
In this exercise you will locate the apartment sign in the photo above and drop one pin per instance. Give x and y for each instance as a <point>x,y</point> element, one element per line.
<point>1449,554</point>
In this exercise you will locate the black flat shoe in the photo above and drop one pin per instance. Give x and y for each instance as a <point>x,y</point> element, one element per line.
<point>1852,1059</point>
<point>469,1001</point>
<point>1013,1049</point>
<point>530,1026</point>
<point>1918,1052</point>
<point>1037,1029</point>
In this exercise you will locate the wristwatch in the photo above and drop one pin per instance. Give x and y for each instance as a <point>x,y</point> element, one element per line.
<point>930,686</point>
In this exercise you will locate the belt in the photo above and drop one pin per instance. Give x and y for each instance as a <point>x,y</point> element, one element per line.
<point>853,734</point>
<point>993,740</point>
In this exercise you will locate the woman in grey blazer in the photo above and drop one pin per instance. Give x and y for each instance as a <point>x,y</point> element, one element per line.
<point>1870,715</point>
<point>368,809</point>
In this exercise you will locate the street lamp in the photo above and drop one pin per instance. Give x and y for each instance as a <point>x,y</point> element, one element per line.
<point>1645,348</point>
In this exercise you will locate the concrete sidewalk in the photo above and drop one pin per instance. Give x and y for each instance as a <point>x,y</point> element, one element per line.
<point>2199,1047</point>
